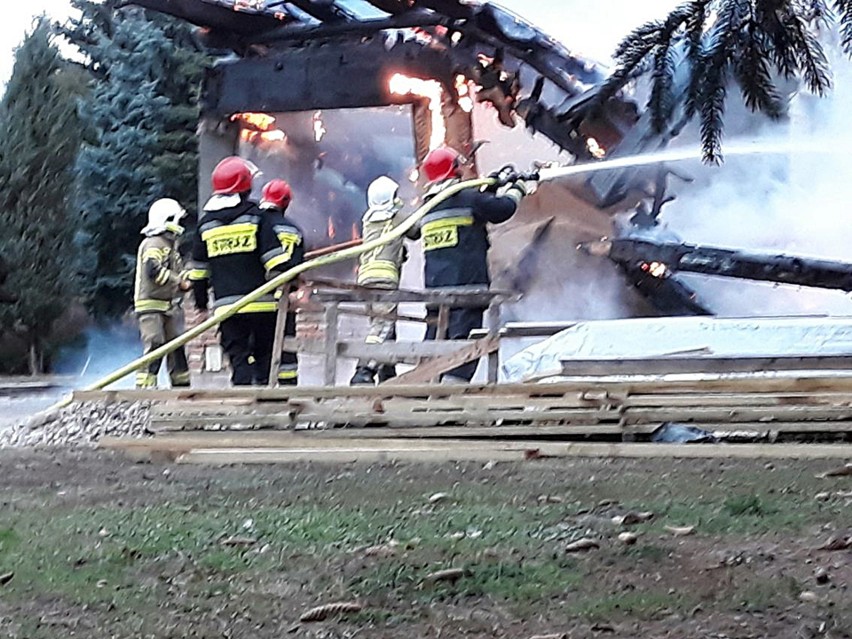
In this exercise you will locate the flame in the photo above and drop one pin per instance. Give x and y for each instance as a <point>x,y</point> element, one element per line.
<point>332,232</point>
<point>465,94</point>
<point>595,149</point>
<point>319,127</point>
<point>433,92</point>
<point>258,127</point>
<point>656,269</point>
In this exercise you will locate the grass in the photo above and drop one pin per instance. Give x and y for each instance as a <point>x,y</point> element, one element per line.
<point>763,595</point>
<point>166,548</point>
<point>642,606</point>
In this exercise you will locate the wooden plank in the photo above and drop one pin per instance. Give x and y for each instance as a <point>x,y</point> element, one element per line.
<point>473,432</point>
<point>402,352</point>
<point>453,451</point>
<point>435,367</point>
<point>425,418</point>
<point>738,399</point>
<point>590,386</point>
<point>278,344</point>
<point>735,414</point>
<point>702,364</point>
<point>331,345</point>
<point>461,297</point>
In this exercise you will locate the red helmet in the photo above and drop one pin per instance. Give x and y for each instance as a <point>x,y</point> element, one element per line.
<point>277,193</point>
<point>441,164</point>
<point>233,175</point>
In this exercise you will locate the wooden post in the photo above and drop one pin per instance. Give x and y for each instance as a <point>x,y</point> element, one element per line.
<point>331,335</point>
<point>278,344</point>
<point>443,322</point>
<point>492,323</point>
<point>441,331</point>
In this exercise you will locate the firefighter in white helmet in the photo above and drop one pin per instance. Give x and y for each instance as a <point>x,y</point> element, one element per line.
<point>380,268</point>
<point>160,282</point>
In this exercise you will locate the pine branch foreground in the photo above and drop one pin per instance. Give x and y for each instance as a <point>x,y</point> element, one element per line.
<point>747,43</point>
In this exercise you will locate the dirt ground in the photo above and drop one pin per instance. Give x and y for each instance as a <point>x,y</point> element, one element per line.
<point>92,545</point>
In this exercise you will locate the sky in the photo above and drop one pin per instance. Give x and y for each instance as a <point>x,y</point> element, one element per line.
<point>589,28</point>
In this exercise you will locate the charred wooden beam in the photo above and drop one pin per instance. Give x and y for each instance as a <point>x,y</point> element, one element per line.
<point>296,33</point>
<point>325,10</point>
<point>319,77</point>
<point>783,269</point>
<point>707,260</point>
<point>218,15</point>
<point>663,289</point>
<point>667,294</point>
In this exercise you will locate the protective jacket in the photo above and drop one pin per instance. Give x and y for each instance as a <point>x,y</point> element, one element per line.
<point>381,265</point>
<point>158,274</point>
<point>455,236</point>
<point>235,248</point>
<point>284,241</point>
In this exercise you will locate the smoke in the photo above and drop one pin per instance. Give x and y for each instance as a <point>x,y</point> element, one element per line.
<point>794,204</point>
<point>99,352</point>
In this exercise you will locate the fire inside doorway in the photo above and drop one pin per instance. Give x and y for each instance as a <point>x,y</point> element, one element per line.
<point>329,158</point>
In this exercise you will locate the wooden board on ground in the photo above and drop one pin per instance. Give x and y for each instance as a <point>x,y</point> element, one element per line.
<point>460,451</point>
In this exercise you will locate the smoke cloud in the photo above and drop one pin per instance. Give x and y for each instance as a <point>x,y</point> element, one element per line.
<point>795,203</point>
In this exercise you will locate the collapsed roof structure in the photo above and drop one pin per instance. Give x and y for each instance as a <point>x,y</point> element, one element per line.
<point>306,55</point>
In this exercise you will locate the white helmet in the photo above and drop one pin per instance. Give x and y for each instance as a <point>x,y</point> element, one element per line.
<point>164,215</point>
<point>383,199</point>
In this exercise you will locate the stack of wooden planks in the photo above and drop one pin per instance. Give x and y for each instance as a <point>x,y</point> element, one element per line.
<point>487,422</point>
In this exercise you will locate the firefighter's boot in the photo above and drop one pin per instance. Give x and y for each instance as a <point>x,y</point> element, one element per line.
<point>386,372</point>
<point>364,375</point>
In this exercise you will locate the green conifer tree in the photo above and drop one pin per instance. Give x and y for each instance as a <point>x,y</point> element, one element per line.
<point>142,117</point>
<point>41,134</point>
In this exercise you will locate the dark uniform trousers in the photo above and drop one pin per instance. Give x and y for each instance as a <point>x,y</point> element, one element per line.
<point>248,339</point>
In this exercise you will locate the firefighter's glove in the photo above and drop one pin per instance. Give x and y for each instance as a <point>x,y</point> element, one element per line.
<point>502,177</point>
<point>516,189</point>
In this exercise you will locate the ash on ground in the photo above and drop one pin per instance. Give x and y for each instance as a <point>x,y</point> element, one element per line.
<point>79,425</point>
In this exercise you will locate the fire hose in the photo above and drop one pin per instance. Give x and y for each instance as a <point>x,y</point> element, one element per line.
<point>280,280</point>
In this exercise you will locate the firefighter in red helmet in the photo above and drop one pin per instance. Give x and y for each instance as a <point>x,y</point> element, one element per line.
<point>289,252</point>
<point>455,241</point>
<point>235,250</point>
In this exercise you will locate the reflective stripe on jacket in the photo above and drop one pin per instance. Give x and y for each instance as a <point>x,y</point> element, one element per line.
<point>382,264</point>
<point>226,255</point>
<point>158,274</point>
<point>455,235</point>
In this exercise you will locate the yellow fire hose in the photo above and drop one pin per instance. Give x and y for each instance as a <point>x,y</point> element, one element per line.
<point>278,281</point>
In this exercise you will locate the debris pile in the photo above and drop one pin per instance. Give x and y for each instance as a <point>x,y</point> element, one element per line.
<point>80,424</point>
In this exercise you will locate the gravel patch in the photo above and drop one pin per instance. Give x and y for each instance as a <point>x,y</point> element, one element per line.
<point>80,424</point>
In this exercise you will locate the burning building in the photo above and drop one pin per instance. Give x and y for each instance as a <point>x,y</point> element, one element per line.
<point>329,94</point>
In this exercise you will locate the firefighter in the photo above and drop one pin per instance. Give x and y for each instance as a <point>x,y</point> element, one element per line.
<point>455,242</point>
<point>276,197</point>
<point>158,292</point>
<point>233,250</point>
<point>380,268</point>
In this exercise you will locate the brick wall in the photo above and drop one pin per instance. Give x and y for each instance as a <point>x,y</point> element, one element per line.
<point>196,348</point>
